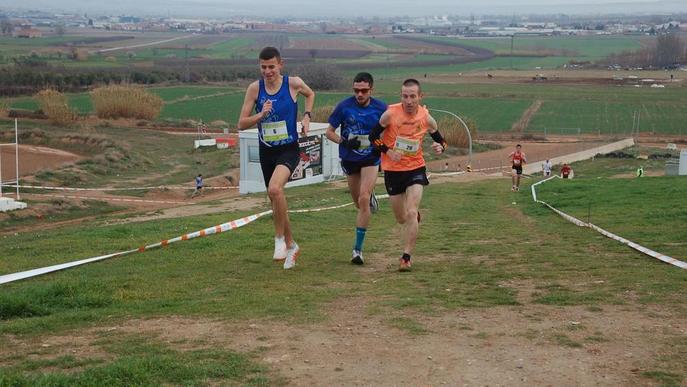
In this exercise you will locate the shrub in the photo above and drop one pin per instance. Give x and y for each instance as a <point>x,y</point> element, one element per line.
<point>126,101</point>
<point>454,133</point>
<point>55,106</point>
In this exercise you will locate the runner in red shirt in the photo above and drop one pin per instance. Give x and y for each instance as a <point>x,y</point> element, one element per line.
<point>566,171</point>
<point>517,160</point>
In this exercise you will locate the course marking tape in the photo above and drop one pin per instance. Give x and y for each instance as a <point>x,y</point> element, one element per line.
<point>234,224</point>
<point>228,226</point>
<point>608,234</point>
<point>47,187</point>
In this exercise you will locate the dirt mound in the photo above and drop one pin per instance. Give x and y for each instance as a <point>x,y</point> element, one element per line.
<point>32,159</point>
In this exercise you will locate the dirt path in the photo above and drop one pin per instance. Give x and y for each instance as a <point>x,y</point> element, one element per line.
<point>527,115</point>
<point>32,159</point>
<point>500,346</point>
<point>496,159</point>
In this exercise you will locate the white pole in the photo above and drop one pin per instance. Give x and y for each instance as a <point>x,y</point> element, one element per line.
<point>467,130</point>
<point>16,154</point>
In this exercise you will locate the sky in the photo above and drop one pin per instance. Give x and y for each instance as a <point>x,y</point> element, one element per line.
<point>348,8</point>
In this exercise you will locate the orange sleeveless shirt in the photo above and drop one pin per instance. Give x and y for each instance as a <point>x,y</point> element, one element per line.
<point>405,134</point>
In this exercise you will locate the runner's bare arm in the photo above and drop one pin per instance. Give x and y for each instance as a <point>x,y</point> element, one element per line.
<point>331,135</point>
<point>300,87</point>
<point>524,159</point>
<point>246,120</point>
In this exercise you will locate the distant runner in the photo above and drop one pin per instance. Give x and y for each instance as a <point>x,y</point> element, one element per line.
<point>517,160</point>
<point>199,185</point>
<point>566,172</point>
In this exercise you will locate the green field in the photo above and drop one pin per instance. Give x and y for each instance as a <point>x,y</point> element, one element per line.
<point>230,279</point>
<point>620,206</point>
<point>589,48</point>
<point>495,107</point>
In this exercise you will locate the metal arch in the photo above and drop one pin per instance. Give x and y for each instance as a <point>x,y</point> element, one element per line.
<point>466,130</point>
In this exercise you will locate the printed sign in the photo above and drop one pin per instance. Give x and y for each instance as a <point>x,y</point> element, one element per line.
<point>310,163</point>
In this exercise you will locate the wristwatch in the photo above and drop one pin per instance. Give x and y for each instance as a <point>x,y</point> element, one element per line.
<point>309,114</point>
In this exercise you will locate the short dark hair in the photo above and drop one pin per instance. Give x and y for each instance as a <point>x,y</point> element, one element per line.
<point>518,146</point>
<point>268,53</point>
<point>412,82</point>
<point>364,77</point>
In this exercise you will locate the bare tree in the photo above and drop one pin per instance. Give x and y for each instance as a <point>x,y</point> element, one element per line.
<point>669,50</point>
<point>6,26</point>
<point>60,29</point>
<point>320,76</point>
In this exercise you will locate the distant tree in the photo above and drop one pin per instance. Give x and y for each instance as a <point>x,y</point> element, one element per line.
<point>669,50</point>
<point>60,29</point>
<point>320,76</point>
<point>312,52</point>
<point>6,26</point>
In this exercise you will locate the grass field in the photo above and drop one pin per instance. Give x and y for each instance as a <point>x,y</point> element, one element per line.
<point>230,278</point>
<point>495,107</point>
<point>590,48</point>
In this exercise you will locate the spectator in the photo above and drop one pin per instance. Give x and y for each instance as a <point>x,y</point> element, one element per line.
<point>546,168</point>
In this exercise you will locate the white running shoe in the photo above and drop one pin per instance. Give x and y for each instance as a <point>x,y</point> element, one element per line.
<point>374,203</point>
<point>279,249</point>
<point>357,257</point>
<point>291,255</point>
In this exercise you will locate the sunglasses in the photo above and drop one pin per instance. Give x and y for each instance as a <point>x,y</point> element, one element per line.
<point>360,91</point>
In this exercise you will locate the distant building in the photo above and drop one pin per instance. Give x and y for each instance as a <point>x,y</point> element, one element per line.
<point>28,33</point>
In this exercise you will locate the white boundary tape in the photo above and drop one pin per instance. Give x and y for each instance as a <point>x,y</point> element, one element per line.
<point>234,224</point>
<point>47,187</point>
<point>633,245</point>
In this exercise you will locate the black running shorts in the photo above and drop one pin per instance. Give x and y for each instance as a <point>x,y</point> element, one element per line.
<point>354,167</point>
<point>517,169</point>
<point>287,155</point>
<point>397,182</point>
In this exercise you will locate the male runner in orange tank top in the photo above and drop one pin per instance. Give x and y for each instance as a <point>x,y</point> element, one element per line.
<point>399,137</point>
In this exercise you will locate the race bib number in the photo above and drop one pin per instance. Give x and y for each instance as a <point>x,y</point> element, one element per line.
<point>516,161</point>
<point>274,131</point>
<point>407,146</point>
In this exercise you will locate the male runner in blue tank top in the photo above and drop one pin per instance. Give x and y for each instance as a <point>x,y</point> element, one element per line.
<point>356,116</point>
<point>274,98</point>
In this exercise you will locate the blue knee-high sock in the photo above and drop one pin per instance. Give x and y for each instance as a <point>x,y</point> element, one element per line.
<point>359,238</point>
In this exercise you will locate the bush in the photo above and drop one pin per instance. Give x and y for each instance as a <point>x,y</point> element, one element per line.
<point>55,106</point>
<point>23,113</point>
<point>454,133</point>
<point>126,101</point>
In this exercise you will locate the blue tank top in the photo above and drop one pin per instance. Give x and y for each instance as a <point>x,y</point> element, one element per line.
<point>357,121</point>
<point>278,128</point>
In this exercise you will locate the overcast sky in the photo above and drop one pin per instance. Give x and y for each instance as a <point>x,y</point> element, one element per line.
<point>348,8</point>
